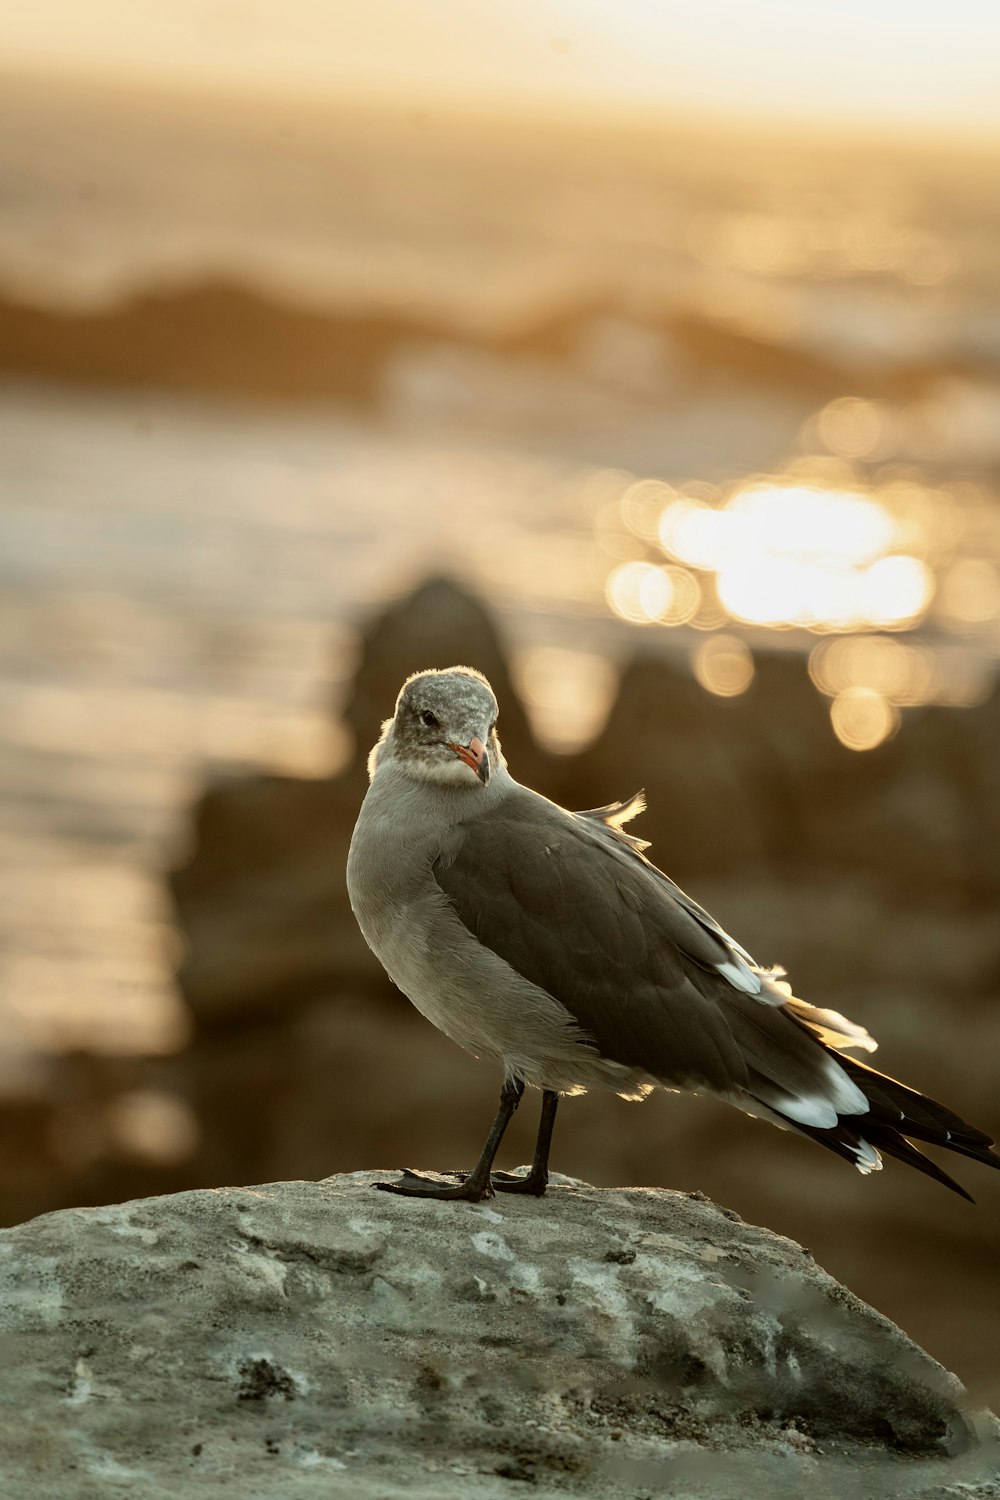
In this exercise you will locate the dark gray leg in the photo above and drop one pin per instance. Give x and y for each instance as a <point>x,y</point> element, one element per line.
<point>537,1179</point>
<point>477,1185</point>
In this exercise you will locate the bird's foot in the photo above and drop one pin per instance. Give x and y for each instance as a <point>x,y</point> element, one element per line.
<point>534,1183</point>
<point>417,1185</point>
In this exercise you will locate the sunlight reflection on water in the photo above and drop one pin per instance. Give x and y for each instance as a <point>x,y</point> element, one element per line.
<point>803,550</point>
<point>794,554</point>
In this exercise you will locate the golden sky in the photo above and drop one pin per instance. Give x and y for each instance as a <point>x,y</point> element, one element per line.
<point>927,63</point>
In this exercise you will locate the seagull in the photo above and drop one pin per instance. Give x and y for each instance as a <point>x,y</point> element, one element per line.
<point>546,940</point>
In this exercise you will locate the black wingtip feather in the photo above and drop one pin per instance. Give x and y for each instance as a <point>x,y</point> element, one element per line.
<point>842,1139</point>
<point>894,1144</point>
<point>895,1113</point>
<point>909,1113</point>
<point>898,1112</point>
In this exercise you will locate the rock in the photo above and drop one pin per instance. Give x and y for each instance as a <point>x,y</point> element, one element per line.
<point>689,751</point>
<point>263,901</point>
<point>440,624</point>
<point>760,781</point>
<point>322,1339</point>
<point>210,336</point>
<point>731,782</point>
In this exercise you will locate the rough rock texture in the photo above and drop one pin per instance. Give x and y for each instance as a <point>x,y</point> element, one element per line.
<point>322,1339</point>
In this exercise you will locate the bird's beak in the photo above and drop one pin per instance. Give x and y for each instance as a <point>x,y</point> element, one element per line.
<point>475,755</point>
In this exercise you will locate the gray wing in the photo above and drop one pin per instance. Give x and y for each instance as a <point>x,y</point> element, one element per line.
<point>722,951</point>
<point>602,931</point>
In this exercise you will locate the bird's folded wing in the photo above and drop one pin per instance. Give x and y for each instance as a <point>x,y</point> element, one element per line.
<point>723,951</point>
<point>598,929</point>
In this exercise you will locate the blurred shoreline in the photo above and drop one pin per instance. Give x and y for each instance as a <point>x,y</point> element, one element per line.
<point>229,337</point>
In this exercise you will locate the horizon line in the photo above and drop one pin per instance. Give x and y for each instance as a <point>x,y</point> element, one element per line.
<point>429,105</point>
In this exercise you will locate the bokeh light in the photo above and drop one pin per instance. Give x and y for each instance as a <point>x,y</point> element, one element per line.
<point>567,694</point>
<point>818,547</point>
<point>803,521</point>
<point>787,554</point>
<point>896,590</point>
<point>853,428</point>
<point>691,531</point>
<point>862,718</point>
<point>969,593</point>
<point>902,672</point>
<point>643,594</point>
<point>685,597</point>
<point>642,506</point>
<point>723,665</point>
<point>153,1125</point>
<point>638,592</point>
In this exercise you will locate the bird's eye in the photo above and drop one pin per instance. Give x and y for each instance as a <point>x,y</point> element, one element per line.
<point>428,719</point>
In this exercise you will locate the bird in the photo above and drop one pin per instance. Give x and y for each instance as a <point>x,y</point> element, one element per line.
<point>549,942</point>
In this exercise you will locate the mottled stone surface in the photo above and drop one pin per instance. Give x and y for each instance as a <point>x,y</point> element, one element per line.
<point>323,1339</point>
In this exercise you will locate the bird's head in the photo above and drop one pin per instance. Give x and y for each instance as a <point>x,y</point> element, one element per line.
<point>443,730</point>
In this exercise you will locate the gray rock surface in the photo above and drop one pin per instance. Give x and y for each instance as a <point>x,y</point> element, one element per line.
<point>322,1339</point>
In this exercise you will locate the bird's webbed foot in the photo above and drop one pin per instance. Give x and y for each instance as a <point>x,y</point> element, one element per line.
<point>533,1183</point>
<point>416,1185</point>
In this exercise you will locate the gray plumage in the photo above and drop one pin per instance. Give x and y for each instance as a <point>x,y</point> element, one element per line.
<point>547,940</point>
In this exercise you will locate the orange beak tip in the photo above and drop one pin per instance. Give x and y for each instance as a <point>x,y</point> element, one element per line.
<point>476,757</point>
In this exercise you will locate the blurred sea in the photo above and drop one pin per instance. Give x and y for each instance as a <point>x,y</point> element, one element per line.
<point>182,574</point>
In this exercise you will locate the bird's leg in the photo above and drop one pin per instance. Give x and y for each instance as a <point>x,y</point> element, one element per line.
<point>477,1184</point>
<point>537,1179</point>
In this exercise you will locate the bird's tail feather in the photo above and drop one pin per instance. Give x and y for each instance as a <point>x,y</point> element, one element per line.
<point>850,1143</point>
<point>913,1114</point>
<point>895,1113</point>
<point>893,1144</point>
